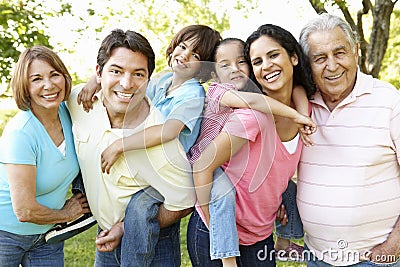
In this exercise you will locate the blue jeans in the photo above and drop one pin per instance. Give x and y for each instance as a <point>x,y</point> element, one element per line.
<point>163,256</point>
<point>313,261</point>
<point>143,244</point>
<point>29,250</point>
<point>198,243</point>
<point>294,228</point>
<point>77,184</point>
<point>224,239</point>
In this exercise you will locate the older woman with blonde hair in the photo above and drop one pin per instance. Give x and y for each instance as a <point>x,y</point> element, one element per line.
<point>37,162</point>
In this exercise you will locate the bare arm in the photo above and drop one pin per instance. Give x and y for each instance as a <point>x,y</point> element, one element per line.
<point>87,95</point>
<point>388,251</point>
<point>216,153</point>
<point>300,100</point>
<point>22,181</point>
<point>152,136</point>
<point>166,217</point>
<point>266,104</point>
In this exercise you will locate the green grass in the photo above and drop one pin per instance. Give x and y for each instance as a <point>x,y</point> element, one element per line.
<point>80,250</point>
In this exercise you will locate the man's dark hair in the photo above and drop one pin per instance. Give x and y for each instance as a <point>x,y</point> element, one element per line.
<point>130,40</point>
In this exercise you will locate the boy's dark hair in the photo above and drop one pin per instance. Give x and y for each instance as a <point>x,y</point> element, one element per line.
<point>205,39</point>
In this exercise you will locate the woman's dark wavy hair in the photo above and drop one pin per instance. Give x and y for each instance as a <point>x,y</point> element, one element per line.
<point>302,71</point>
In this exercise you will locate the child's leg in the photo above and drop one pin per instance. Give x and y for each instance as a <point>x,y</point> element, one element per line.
<point>63,231</point>
<point>224,240</point>
<point>141,228</point>
<point>294,227</point>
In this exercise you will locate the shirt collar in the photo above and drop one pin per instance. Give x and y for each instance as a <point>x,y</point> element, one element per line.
<point>362,86</point>
<point>99,102</point>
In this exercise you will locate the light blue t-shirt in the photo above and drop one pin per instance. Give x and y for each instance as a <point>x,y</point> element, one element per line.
<point>25,141</point>
<point>185,104</point>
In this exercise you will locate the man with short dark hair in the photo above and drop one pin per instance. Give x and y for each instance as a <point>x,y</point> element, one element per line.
<point>125,63</point>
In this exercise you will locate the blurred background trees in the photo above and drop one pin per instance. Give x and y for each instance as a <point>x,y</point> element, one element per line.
<point>27,22</point>
<point>378,35</point>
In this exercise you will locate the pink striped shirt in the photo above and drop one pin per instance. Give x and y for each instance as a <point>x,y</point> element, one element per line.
<point>348,182</point>
<point>213,121</point>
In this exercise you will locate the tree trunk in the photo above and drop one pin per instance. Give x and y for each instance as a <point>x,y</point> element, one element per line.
<point>372,52</point>
<point>379,35</point>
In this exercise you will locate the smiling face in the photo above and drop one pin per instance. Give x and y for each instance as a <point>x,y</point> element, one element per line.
<point>333,64</point>
<point>46,86</point>
<point>272,66</point>
<point>231,66</point>
<point>124,81</point>
<point>184,60</point>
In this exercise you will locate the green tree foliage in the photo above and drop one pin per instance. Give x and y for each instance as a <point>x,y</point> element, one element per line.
<point>24,23</point>
<point>372,50</point>
<point>160,20</point>
<point>21,26</point>
<point>18,30</point>
<point>391,62</point>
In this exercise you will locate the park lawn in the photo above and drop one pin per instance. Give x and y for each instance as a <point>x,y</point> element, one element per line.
<point>80,250</point>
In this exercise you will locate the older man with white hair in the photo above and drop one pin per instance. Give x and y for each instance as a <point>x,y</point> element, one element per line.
<point>349,181</point>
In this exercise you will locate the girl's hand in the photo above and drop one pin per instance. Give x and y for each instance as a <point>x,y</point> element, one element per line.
<point>87,95</point>
<point>305,138</point>
<point>306,127</point>
<point>110,155</point>
<point>306,124</point>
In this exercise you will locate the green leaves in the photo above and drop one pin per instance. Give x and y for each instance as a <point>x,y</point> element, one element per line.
<point>20,27</point>
<point>22,24</point>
